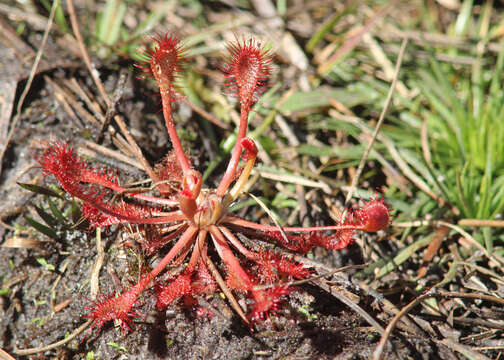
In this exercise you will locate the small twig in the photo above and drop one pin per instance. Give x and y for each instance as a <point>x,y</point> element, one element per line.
<point>5,356</point>
<point>472,296</point>
<point>84,53</point>
<point>70,104</point>
<point>131,141</point>
<point>468,352</point>
<point>70,337</point>
<point>225,289</point>
<point>135,148</point>
<point>378,353</point>
<point>458,229</point>
<point>116,155</point>
<point>204,113</point>
<point>29,81</point>
<point>382,60</point>
<point>480,223</point>
<point>111,110</point>
<point>379,124</point>
<point>94,282</point>
<point>345,300</point>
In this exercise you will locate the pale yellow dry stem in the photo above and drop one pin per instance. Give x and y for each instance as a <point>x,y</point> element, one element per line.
<point>242,180</point>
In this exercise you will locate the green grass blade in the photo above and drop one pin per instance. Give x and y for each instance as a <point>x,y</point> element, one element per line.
<point>56,212</point>
<point>464,17</point>
<point>37,189</point>
<point>50,220</point>
<point>46,230</point>
<point>110,22</point>
<point>326,27</point>
<point>404,255</point>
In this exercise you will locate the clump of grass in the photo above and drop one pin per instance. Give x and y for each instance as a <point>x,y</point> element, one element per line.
<point>463,149</point>
<point>451,136</point>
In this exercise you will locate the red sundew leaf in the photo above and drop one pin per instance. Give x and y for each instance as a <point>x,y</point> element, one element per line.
<point>96,218</point>
<point>154,240</point>
<point>266,273</point>
<point>117,308</point>
<point>166,294</point>
<point>336,241</point>
<point>121,213</point>
<point>235,282</point>
<point>373,216</point>
<point>169,170</point>
<point>302,243</point>
<point>164,61</point>
<point>62,162</point>
<point>203,282</point>
<point>168,53</point>
<point>266,302</point>
<point>299,243</point>
<point>283,265</point>
<point>250,149</point>
<point>247,69</point>
<point>90,185</point>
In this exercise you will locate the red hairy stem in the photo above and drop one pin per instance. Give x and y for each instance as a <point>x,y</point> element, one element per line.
<point>237,244</point>
<point>115,212</point>
<point>164,63</point>
<point>152,199</point>
<point>247,70</point>
<point>175,216</point>
<point>172,132</point>
<point>373,216</point>
<point>198,248</point>
<point>128,192</point>
<point>234,268</point>
<point>235,156</point>
<point>272,228</point>
<point>184,240</point>
<point>125,191</point>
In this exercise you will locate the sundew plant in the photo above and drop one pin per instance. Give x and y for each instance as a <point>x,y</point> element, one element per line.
<point>191,227</point>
